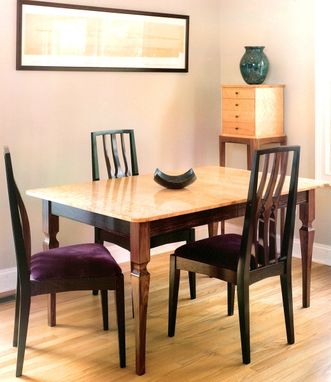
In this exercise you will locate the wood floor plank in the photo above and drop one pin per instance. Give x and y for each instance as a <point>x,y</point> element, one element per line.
<point>206,345</point>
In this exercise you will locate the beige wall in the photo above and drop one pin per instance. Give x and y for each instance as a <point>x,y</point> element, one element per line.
<point>46,117</point>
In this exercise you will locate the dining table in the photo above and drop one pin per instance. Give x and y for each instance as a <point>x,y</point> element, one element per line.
<point>139,207</point>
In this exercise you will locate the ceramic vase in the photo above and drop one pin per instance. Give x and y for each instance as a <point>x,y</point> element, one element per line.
<point>254,65</point>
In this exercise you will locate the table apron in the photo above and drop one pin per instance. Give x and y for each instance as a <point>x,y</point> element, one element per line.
<point>162,225</point>
<point>91,218</point>
<point>210,216</point>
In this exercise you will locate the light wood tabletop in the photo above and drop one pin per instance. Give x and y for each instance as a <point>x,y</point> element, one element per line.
<point>140,199</point>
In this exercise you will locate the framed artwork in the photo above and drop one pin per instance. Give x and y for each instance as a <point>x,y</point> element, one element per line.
<point>53,36</point>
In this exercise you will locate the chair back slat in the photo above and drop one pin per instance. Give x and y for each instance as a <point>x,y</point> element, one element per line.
<point>118,162</point>
<point>267,221</point>
<point>284,163</point>
<point>118,173</point>
<point>20,222</point>
<point>262,230</point>
<point>275,210</point>
<point>125,159</point>
<point>263,176</point>
<point>106,155</point>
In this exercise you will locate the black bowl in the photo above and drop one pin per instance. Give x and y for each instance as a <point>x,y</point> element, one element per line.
<point>174,181</point>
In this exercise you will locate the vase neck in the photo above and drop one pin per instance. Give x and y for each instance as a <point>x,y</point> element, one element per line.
<point>254,47</point>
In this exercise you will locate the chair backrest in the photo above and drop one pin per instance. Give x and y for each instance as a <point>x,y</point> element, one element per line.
<point>117,161</point>
<point>20,223</point>
<point>266,240</point>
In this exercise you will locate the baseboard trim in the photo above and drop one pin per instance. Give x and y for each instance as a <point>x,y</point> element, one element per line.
<point>7,296</point>
<point>7,281</point>
<point>321,252</point>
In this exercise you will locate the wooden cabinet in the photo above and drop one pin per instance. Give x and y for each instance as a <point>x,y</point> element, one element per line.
<point>252,110</point>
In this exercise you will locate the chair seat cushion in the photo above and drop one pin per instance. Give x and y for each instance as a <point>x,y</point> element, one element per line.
<point>221,251</point>
<point>74,261</point>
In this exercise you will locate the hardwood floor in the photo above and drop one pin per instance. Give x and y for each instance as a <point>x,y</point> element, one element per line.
<point>206,345</point>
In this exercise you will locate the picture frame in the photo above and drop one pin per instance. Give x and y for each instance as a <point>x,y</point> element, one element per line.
<point>57,36</point>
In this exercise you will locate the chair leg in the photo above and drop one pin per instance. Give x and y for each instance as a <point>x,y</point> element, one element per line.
<point>97,239</point>
<point>104,303</point>
<point>243,307</point>
<point>51,309</point>
<point>120,312</point>
<point>192,282</point>
<point>286,284</point>
<point>132,307</point>
<point>24,311</point>
<point>173,295</point>
<point>17,312</point>
<point>231,293</point>
<point>191,275</point>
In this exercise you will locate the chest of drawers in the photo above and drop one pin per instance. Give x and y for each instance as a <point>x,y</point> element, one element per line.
<point>253,111</point>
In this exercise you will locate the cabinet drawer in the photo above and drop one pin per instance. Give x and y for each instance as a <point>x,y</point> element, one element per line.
<point>238,116</point>
<point>238,92</point>
<point>238,128</point>
<point>238,104</point>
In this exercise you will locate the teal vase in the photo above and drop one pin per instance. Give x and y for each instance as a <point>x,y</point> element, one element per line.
<point>254,65</point>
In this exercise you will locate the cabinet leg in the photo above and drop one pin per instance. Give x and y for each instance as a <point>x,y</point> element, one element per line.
<point>222,152</point>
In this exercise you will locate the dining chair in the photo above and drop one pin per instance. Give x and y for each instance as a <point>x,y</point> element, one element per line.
<point>261,251</point>
<point>70,268</point>
<point>120,162</point>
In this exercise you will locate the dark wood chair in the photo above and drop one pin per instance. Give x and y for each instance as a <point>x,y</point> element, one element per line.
<point>261,251</point>
<point>75,267</point>
<point>121,162</point>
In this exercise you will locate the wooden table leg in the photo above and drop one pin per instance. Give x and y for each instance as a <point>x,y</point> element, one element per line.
<point>307,233</point>
<point>140,257</point>
<point>213,228</point>
<point>51,229</point>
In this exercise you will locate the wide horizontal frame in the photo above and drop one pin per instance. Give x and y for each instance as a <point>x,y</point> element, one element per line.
<point>36,49</point>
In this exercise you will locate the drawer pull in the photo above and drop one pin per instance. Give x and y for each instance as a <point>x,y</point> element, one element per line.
<point>237,116</point>
<point>237,104</point>
<point>237,93</point>
<point>236,128</point>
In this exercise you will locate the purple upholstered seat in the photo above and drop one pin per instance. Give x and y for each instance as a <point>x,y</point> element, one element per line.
<point>75,261</point>
<point>222,251</point>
